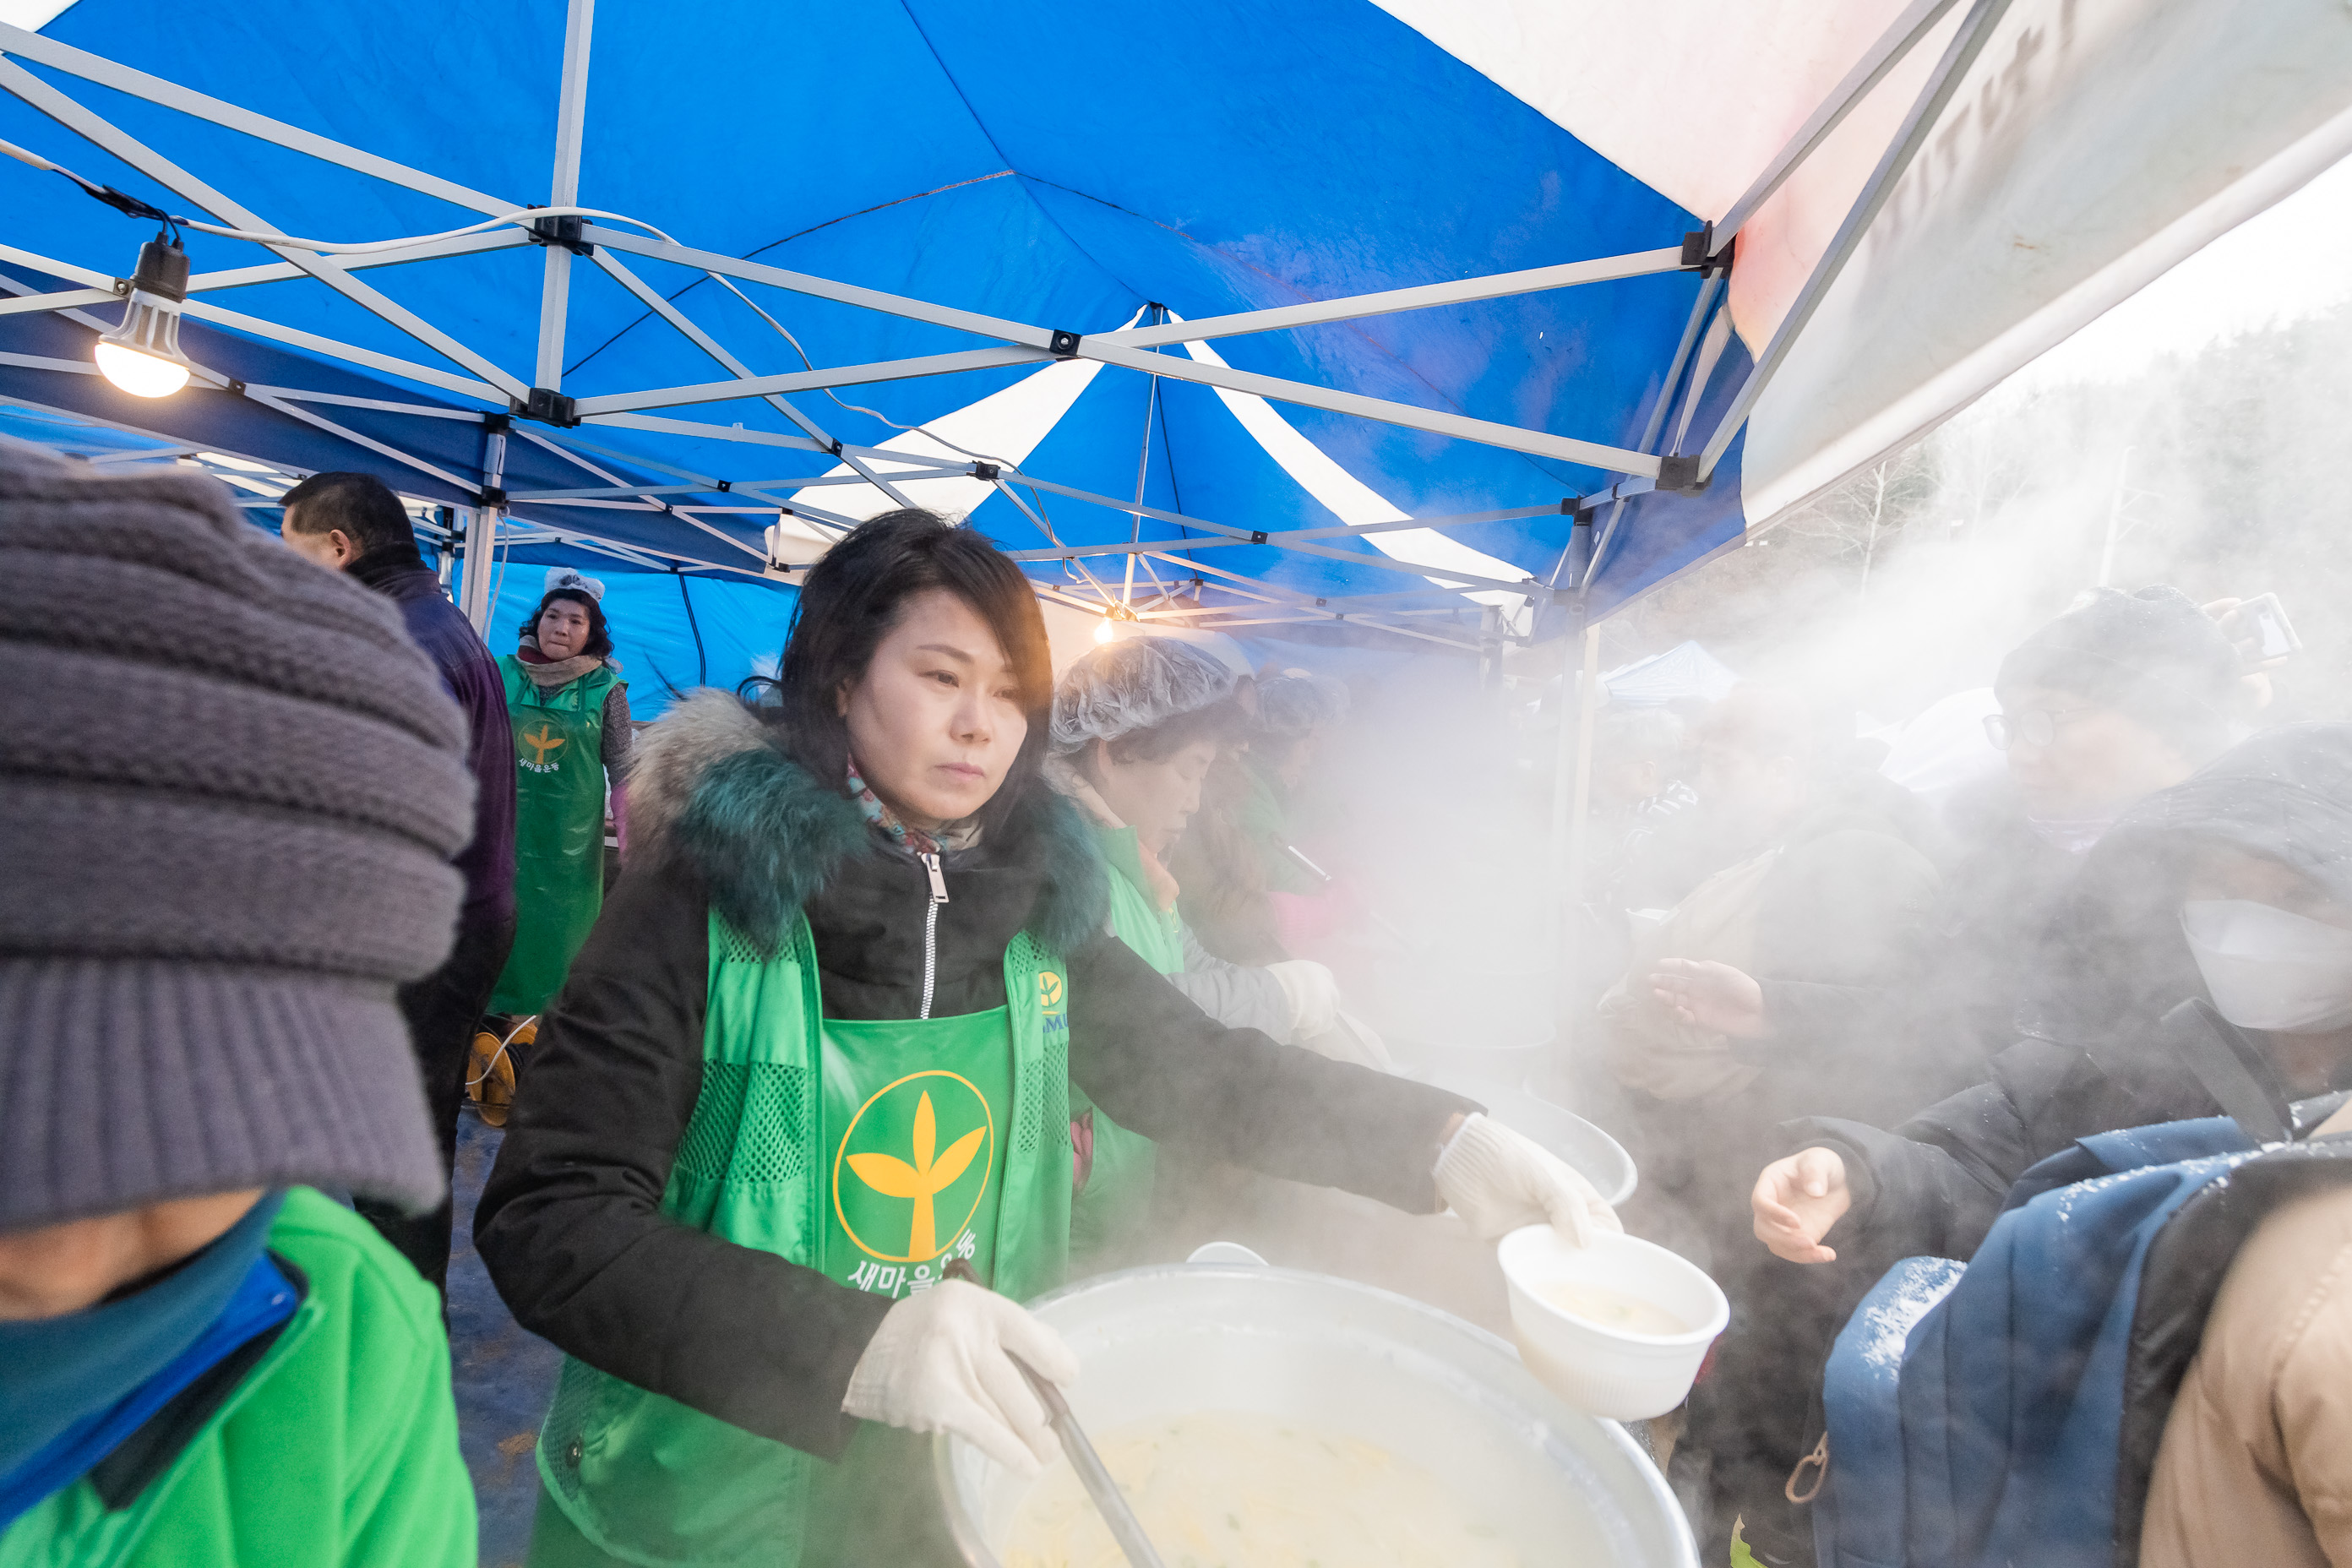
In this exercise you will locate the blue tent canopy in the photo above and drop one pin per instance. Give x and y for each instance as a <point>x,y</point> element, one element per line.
<point>1053,165</point>
<point>1241,314</point>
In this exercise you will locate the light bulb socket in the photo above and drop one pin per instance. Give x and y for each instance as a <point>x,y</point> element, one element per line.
<point>150,307</point>
<point>162,271</point>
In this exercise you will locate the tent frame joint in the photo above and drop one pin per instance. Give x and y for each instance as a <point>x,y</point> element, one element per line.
<point>562,231</point>
<point>1680,473</point>
<point>546,407</point>
<point>1701,255</point>
<point>1062,344</point>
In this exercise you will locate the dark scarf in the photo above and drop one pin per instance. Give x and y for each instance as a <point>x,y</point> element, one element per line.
<point>72,1388</point>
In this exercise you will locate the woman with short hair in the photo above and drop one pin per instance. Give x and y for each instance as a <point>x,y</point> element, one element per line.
<point>569,708</point>
<point>795,1141</point>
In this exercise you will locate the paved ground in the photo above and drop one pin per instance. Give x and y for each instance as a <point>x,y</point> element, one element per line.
<point>503,1376</point>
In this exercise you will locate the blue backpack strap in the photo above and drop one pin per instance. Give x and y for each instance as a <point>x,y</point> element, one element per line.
<point>2128,1148</point>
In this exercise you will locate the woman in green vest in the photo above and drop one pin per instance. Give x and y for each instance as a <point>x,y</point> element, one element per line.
<point>1138,724</point>
<point>796,1141</point>
<point>571,713</point>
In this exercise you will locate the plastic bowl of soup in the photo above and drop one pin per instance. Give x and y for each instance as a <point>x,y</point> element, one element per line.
<point>1618,1328</point>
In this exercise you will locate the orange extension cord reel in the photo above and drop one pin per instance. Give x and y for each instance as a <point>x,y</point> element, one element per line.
<point>490,1072</point>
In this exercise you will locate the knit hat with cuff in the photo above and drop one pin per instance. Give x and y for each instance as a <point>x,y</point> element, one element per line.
<point>232,785</point>
<point>2150,653</point>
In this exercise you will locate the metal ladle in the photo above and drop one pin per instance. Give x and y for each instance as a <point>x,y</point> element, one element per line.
<point>1125,1528</point>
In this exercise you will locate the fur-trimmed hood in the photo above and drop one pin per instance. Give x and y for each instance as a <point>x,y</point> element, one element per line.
<point>710,788</point>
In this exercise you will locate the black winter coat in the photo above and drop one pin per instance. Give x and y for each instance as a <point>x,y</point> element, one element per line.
<point>2112,963</point>
<point>570,1224</point>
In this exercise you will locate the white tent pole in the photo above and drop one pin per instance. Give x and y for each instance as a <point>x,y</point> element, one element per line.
<point>481,525</point>
<point>1240,535</point>
<point>1494,286</point>
<point>1975,31</point>
<point>295,411</point>
<point>100,132</point>
<point>669,312</point>
<point>810,380</point>
<point>464,387</point>
<point>64,58</point>
<point>1893,45</point>
<point>246,276</point>
<point>563,190</point>
<point>1510,437</point>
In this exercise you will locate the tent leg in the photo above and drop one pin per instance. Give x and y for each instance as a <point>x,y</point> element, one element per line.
<point>481,526</point>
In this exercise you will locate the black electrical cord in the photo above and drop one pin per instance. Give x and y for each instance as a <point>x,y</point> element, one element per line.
<point>701,662</point>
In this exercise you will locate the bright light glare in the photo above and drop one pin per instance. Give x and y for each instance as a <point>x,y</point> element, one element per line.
<point>141,375</point>
<point>1103,631</point>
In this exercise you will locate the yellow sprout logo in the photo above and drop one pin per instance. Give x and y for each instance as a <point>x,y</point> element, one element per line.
<point>541,741</point>
<point>927,1172</point>
<point>1049,989</point>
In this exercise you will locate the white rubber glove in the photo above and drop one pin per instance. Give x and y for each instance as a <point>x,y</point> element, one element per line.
<point>939,1363</point>
<point>1498,1180</point>
<point>1313,996</point>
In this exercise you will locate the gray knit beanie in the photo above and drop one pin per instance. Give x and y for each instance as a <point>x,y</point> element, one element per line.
<point>2150,653</point>
<point>229,788</point>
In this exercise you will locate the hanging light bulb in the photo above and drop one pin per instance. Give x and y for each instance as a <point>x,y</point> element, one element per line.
<point>141,356</point>
<point>1103,631</point>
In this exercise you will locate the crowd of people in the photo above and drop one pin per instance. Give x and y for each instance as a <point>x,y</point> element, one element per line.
<point>931,976</point>
<point>1859,1024</point>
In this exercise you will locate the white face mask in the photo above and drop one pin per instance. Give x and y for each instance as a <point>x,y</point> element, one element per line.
<point>2270,969</point>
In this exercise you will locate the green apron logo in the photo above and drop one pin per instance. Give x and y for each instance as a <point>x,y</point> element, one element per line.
<point>895,1159</point>
<point>543,743</point>
<point>1049,990</point>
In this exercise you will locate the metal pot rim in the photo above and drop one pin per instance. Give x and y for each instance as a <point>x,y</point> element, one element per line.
<point>965,1530</point>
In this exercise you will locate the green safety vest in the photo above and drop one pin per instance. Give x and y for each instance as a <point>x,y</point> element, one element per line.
<point>559,742</point>
<point>1117,1196</point>
<point>648,1481</point>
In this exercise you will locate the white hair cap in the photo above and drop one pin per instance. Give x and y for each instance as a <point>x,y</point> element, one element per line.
<point>1133,684</point>
<point>570,577</point>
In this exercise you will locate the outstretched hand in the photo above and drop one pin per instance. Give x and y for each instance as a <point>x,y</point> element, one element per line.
<point>1710,995</point>
<point>1797,1200</point>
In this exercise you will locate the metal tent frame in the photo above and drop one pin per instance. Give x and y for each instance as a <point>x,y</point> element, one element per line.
<point>538,411</point>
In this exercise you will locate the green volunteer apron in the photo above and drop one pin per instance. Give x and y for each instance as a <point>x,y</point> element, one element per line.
<point>559,742</point>
<point>1117,1198</point>
<point>788,1097</point>
<point>916,1157</point>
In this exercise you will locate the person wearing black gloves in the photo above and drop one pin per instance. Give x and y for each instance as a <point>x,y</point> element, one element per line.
<point>796,1139</point>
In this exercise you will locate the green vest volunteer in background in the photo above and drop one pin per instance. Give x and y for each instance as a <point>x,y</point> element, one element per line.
<point>1137,725</point>
<point>570,709</point>
<point>796,1136</point>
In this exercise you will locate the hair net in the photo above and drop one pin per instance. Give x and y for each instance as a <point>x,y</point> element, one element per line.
<point>1137,683</point>
<point>570,577</point>
<point>1295,701</point>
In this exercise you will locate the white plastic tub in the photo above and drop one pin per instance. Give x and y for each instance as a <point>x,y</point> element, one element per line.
<point>1607,1371</point>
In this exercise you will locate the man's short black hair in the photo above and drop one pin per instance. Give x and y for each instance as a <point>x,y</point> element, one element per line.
<point>361,505</point>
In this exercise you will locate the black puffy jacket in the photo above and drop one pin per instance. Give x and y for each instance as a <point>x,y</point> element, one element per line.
<point>571,1225</point>
<point>2089,1057</point>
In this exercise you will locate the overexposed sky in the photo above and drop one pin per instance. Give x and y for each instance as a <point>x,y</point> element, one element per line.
<point>2292,260</point>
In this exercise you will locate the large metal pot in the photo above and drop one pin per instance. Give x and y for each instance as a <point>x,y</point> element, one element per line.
<point>1428,1387</point>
